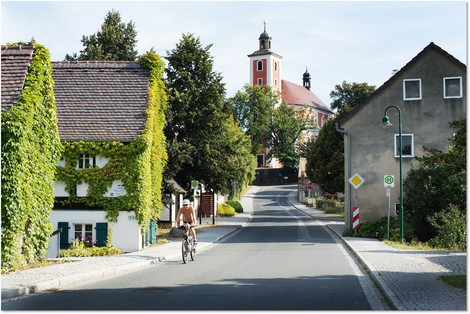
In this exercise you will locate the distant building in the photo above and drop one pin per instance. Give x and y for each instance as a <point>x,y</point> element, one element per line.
<point>430,91</point>
<point>266,69</point>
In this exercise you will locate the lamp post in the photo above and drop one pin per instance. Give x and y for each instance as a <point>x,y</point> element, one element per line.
<point>386,122</point>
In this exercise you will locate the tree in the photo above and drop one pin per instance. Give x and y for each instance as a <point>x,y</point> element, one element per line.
<point>350,94</point>
<point>438,184</point>
<point>116,41</point>
<point>325,156</point>
<point>287,125</point>
<point>254,108</point>
<point>200,136</point>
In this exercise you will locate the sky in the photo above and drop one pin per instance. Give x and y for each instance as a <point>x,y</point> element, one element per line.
<point>352,41</point>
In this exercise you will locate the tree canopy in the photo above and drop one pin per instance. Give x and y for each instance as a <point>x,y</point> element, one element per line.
<point>350,95</point>
<point>325,156</point>
<point>200,131</point>
<point>287,125</point>
<point>116,41</point>
<point>254,107</point>
<point>439,183</point>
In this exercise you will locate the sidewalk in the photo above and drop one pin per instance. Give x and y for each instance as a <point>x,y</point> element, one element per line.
<point>408,278</point>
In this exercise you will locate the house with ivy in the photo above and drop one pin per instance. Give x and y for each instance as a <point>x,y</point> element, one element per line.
<point>108,184</point>
<point>30,151</point>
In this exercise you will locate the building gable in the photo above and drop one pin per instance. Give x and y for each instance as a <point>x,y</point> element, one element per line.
<point>101,100</point>
<point>15,63</point>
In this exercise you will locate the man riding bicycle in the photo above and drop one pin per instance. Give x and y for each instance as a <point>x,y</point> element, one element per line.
<point>189,216</point>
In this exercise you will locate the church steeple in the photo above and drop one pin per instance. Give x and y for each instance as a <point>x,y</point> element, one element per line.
<point>264,39</point>
<point>306,79</point>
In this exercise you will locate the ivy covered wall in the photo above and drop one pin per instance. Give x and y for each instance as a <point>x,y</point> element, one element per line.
<point>139,164</point>
<point>30,151</point>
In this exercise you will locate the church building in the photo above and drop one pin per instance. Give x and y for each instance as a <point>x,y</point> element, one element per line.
<point>265,69</point>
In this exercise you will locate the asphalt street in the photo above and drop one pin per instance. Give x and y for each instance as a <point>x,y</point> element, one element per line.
<point>281,260</point>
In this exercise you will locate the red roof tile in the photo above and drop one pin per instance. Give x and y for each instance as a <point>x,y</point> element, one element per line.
<point>293,94</point>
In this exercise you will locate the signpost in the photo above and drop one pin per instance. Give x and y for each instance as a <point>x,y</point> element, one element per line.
<point>389,183</point>
<point>356,181</point>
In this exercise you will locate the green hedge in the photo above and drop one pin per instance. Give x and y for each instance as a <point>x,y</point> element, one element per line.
<point>236,205</point>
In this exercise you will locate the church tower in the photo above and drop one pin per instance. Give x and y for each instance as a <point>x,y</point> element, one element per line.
<point>306,79</point>
<point>265,65</point>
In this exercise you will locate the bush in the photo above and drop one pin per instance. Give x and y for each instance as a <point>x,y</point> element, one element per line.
<point>451,226</point>
<point>225,210</point>
<point>378,230</point>
<point>236,205</point>
<point>78,249</point>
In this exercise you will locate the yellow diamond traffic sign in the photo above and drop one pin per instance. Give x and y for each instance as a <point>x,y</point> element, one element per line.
<point>356,180</point>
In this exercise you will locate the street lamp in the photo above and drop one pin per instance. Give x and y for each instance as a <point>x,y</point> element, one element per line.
<point>386,123</point>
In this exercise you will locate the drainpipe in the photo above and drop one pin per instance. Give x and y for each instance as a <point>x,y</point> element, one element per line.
<point>349,218</point>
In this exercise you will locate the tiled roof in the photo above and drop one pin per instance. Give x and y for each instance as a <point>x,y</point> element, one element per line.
<point>101,100</point>
<point>15,64</point>
<point>293,94</point>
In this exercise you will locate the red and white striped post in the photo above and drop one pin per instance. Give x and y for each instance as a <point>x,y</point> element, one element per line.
<point>355,219</point>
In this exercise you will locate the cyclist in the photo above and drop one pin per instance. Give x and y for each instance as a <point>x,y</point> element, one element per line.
<point>189,217</point>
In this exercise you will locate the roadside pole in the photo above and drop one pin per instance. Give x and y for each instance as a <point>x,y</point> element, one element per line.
<point>389,183</point>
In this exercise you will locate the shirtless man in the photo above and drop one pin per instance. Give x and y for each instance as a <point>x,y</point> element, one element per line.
<point>189,216</point>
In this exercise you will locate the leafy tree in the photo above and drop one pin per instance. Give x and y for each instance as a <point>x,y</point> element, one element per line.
<point>350,95</point>
<point>438,183</point>
<point>325,156</point>
<point>254,108</point>
<point>116,41</point>
<point>200,131</point>
<point>287,125</point>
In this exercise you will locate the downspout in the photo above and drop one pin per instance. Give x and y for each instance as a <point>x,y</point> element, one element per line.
<point>349,222</point>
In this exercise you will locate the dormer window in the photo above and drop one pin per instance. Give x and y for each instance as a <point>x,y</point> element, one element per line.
<point>453,87</point>
<point>86,161</point>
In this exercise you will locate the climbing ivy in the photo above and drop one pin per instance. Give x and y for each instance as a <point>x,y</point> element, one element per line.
<point>139,164</point>
<point>30,151</point>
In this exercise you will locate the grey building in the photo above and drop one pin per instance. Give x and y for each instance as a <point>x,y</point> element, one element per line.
<point>430,91</point>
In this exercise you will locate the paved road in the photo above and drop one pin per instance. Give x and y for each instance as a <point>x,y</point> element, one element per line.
<point>281,260</point>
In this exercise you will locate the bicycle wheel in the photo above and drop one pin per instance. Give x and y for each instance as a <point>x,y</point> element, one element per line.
<point>192,250</point>
<point>184,251</point>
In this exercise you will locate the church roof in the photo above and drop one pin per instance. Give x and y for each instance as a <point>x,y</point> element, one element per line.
<point>293,94</point>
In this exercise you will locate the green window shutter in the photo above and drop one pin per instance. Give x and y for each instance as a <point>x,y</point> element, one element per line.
<point>153,232</point>
<point>64,235</point>
<point>101,233</point>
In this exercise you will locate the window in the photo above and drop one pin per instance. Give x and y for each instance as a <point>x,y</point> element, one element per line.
<point>260,161</point>
<point>86,161</point>
<point>260,65</point>
<point>412,89</point>
<point>453,87</point>
<point>83,232</point>
<point>275,66</point>
<point>275,82</point>
<point>260,81</point>
<point>408,145</point>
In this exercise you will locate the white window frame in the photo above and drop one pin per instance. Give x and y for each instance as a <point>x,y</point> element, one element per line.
<point>460,87</point>
<point>260,81</point>
<point>258,66</point>
<point>85,161</point>
<point>420,89</point>
<point>395,146</point>
<point>275,66</point>
<point>83,232</point>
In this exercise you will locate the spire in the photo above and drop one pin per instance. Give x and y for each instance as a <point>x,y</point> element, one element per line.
<point>306,79</point>
<point>264,39</point>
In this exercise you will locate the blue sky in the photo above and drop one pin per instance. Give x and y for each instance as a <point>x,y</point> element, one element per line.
<point>337,40</point>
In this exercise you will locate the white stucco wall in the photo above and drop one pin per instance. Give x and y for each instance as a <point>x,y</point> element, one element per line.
<point>125,232</point>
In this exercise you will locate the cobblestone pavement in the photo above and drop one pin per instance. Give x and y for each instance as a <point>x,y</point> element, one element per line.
<point>408,278</point>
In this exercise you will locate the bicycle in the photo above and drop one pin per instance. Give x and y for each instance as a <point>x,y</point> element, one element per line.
<point>187,245</point>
